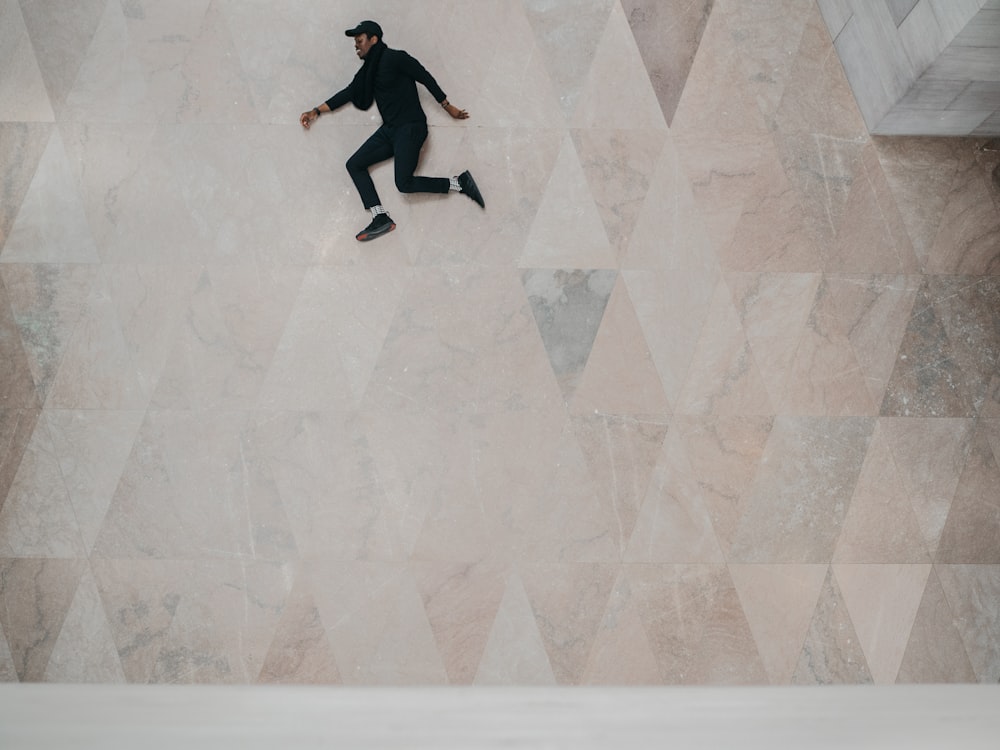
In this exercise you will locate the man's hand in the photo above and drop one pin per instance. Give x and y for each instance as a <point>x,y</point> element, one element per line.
<point>307,118</point>
<point>458,114</point>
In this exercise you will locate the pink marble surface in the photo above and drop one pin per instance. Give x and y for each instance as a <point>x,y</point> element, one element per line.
<point>709,394</point>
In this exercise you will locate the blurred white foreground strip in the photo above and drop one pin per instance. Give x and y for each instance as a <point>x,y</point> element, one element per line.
<point>44,717</point>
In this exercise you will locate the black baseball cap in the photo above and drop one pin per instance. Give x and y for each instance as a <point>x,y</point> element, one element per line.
<point>366,27</point>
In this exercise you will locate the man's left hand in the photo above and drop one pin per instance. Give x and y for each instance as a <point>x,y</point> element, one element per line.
<point>458,114</point>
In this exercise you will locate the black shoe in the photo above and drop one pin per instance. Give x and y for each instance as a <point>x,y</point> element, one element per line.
<point>470,189</point>
<point>380,225</point>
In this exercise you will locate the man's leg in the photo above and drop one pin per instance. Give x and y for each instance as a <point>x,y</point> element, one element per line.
<point>407,142</point>
<point>376,149</point>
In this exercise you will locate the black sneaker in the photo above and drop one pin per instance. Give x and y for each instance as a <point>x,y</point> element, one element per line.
<point>380,225</point>
<point>470,189</point>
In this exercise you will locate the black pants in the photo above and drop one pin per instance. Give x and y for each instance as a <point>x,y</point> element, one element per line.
<point>404,142</point>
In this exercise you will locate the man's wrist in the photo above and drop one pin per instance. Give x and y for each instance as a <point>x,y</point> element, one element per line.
<point>316,110</point>
<point>445,104</point>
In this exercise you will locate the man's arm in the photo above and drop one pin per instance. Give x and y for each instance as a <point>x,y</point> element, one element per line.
<point>412,67</point>
<point>337,100</point>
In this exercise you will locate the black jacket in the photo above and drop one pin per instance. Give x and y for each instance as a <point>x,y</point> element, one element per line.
<point>395,89</point>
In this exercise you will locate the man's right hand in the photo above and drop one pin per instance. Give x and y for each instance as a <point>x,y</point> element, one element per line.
<point>307,118</point>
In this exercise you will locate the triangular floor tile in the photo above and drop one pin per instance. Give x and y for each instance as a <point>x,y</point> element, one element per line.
<point>568,36</point>
<point>92,447</point>
<point>617,92</point>
<point>567,231</point>
<point>880,526</point>
<point>621,654</point>
<point>47,303</point>
<point>723,377</point>
<point>671,308</point>
<point>935,652</point>
<point>695,624</point>
<point>38,236</point>
<point>621,453</point>
<point>17,387</point>
<point>674,524</point>
<point>672,232</point>
<point>620,376</point>
<point>569,601</point>
<point>568,307</point>
<point>21,147</point>
<point>973,527</point>
<point>35,595</point>
<point>779,602</point>
<point>461,601</point>
<point>930,454</point>
<point>37,519</point>
<point>667,37</point>
<point>619,165</point>
<point>300,653</point>
<point>8,672</point>
<point>85,650</point>
<point>376,623</point>
<point>883,602</point>
<point>22,91</point>
<point>973,591</point>
<point>515,652</point>
<point>831,653</point>
<point>18,425</point>
<point>61,34</point>
<point>774,309</point>
<point>966,239</point>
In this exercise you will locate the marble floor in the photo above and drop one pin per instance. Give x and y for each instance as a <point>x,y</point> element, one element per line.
<point>708,394</point>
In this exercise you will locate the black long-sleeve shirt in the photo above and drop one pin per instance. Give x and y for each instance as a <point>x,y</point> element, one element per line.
<point>395,89</point>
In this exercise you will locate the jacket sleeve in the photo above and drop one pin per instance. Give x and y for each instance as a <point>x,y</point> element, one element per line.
<point>342,97</point>
<point>412,67</point>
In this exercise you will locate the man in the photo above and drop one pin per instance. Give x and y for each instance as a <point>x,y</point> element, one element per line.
<point>389,77</point>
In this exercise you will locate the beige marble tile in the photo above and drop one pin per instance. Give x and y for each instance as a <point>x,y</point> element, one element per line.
<point>667,35</point>
<point>567,231</point>
<point>35,237</point>
<point>971,591</point>
<point>620,166</point>
<point>92,448</point>
<point>300,652</point>
<point>617,93</point>
<point>671,308</point>
<point>568,602</point>
<point>880,525</point>
<point>38,519</point>
<point>22,91</point>
<point>883,602</point>
<point>621,454</point>
<point>376,623</point>
<point>724,455</point>
<point>832,653</point>
<point>21,146</point>
<point>622,653</point>
<point>935,652</point>
<point>8,672</point>
<point>795,508</point>
<point>61,33</point>
<point>35,595</point>
<point>462,601</point>
<point>671,231</point>
<point>17,427</point>
<point>695,624</point>
<point>779,602</point>
<point>723,377</point>
<point>970,532</point>
<point>930,455</point>
<point>197,486</point>
<point>620,376</point>
<point>17,386</point>
<point>675,521</point>
<point>568,35</point>
<point>774,309</point>
<point>515,651</point>
<point>85,650</point>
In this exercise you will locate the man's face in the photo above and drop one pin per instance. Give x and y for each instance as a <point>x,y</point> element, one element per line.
<point>363,43</point>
